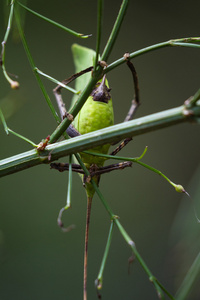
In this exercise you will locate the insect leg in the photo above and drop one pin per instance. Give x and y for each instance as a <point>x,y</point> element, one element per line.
<point>61,167</point>
<point>136,100</point>
<point>113,167</point>
<point>134,104</point>
<point>71,131</point>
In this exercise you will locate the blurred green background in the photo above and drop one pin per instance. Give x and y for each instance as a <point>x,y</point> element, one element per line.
<point>37,260</point>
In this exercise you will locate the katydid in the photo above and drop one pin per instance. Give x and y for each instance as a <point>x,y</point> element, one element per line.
<point>96,113</point>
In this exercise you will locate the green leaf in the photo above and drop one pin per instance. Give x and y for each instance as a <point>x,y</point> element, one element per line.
<point>83,58</point>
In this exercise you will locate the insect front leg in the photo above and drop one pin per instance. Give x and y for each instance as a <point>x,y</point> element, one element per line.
<point>61,167</point>
<point>136,99</point>
<point>109,168</point>
<point>134,103</point>
<point>71,131</point>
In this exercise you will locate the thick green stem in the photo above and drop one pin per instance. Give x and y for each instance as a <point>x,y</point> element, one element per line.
<point>107,135</point>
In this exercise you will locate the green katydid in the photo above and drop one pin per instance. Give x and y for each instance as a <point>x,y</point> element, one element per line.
<point>96,113</point>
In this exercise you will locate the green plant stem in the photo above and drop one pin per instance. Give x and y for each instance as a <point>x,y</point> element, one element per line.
<point>13,84</point>
<point>4,122</point>
<point>189,280</point>
<point>31,61</point>
<point>21,137</point>
<point>69,190</point>
<point>76,107</point>
<point>107,135</point>
<point>125,235</point>
<point>99,280</point>
<point>135,160</point>
<point>8,130</point>
<point>163,119</point>
<point>99,25</point>
<point>162,288</point>
<point>79,35</point>
<point>193,100</point>
<point>68,202</point>
<point>96,75</point>
<point>56,81</point>
<point>10,18</point>
<point>115,30</point>
<point>170,43</point>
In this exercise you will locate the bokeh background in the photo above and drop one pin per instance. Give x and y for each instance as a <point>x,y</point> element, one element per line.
<point>37,260</point>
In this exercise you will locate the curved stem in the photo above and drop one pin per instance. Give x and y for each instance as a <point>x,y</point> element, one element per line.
<point>13,84</point>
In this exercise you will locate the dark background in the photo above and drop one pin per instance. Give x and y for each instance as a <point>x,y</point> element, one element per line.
<point>38,261</point>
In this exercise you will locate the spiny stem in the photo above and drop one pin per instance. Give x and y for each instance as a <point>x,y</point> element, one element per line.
<point>89,205</point>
